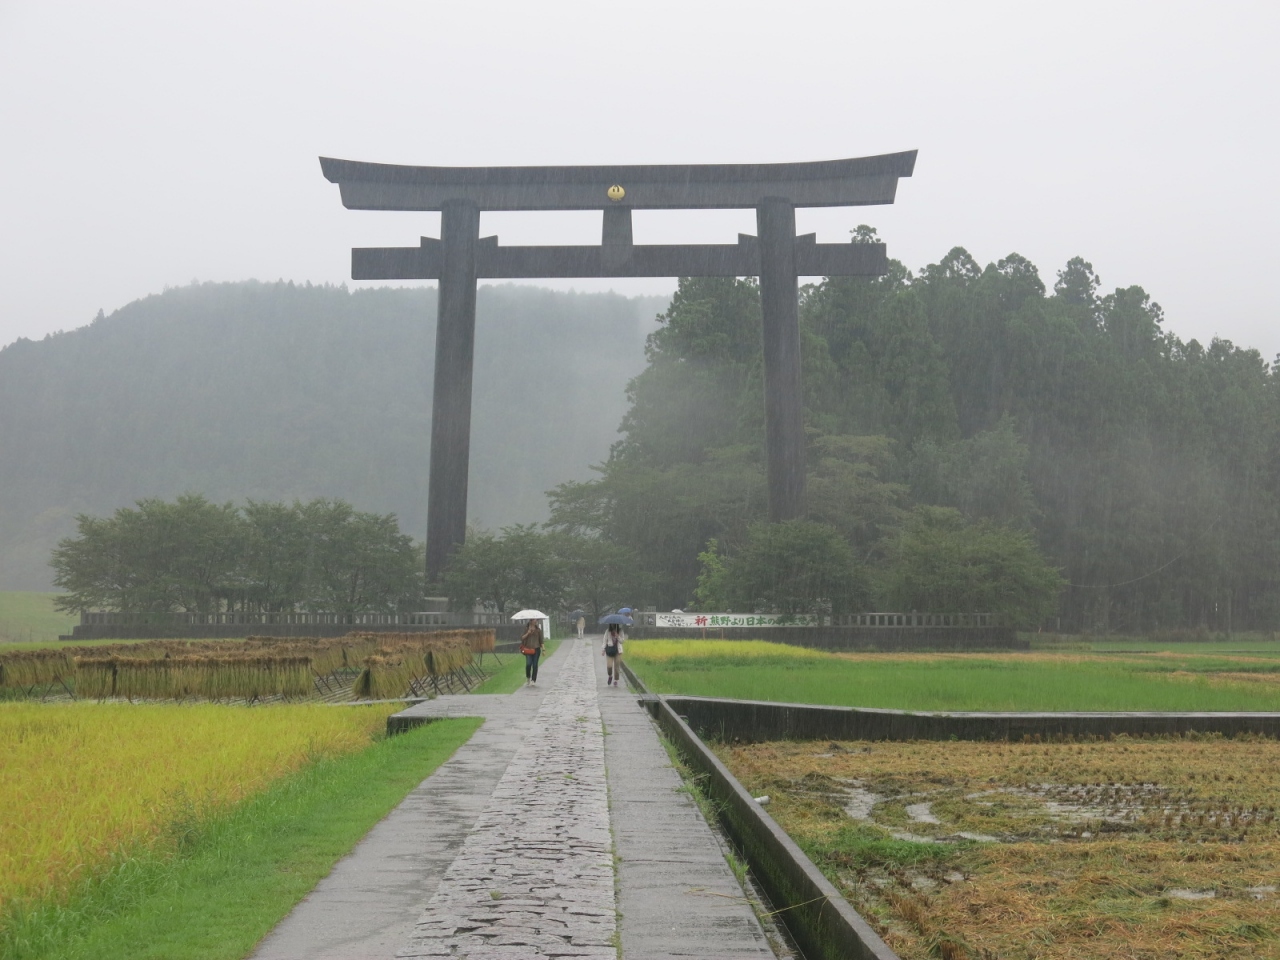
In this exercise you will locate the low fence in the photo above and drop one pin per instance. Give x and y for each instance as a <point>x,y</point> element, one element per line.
<point>224,626</point>
<point>949,620</point>
<point>108,618</point>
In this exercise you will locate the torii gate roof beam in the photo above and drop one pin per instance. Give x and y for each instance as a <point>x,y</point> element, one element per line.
<point>826,183</point>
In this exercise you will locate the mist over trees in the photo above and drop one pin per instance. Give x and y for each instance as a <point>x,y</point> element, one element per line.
<point>976,441</point>
<point>1060,429</point>
<point>282,392</point>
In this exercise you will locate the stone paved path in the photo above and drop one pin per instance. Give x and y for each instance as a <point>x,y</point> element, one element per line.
<point>534,878</point>
<point>522,810</point>
<point>367,907</point>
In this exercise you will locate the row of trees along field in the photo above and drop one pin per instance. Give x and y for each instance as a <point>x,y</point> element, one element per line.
<point>961,420</point>
<point>194,556</point>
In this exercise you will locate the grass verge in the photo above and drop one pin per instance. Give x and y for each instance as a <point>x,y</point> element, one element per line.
<point>509,677</point>
<point>237,874</point>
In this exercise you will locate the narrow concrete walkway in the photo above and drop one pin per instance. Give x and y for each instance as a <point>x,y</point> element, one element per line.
<point>676,893</point>
<point>505,851</point>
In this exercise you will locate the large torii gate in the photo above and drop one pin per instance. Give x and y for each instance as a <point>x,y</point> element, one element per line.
<point>776,255</point>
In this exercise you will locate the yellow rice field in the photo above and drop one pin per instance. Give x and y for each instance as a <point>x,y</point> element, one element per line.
<point>664,651</point>
<point>84,782</point>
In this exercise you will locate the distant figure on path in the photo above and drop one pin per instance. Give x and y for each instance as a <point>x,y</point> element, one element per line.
<point>613,653</point>
<point>531,647</point>
<point>582,626</point>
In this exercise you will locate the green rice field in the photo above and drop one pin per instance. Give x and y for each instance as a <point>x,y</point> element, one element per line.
<point>1176,677</point>
<point>29,617</point>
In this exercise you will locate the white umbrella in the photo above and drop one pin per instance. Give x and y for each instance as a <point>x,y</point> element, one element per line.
<point>529,615</point>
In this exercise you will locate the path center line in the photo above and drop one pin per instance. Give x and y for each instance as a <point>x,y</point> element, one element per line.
<point>534,877</point>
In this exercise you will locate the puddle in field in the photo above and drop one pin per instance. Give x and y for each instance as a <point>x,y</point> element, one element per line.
<point>922,813</point>
<point>1075,810</point>
<point>858,801</point>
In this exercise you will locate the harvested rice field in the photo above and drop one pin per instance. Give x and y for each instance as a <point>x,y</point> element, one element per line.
<point>1127,848</point>
<point>85,783</point>
<point>358,666</point>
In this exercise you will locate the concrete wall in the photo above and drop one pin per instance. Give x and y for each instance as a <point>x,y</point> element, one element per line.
<point>752,720</point>
<point>853,638</point>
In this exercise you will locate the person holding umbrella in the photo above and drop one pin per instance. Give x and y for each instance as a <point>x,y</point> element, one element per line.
<point>531,642</point>
<point>612,651</point>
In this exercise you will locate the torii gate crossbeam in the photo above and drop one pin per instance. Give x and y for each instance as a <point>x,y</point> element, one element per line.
<point>460,257</point>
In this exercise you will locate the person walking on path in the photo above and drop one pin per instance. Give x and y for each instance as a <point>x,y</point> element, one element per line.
<point>531,647</point>
<point>613,654</point>
<point>582,626</point>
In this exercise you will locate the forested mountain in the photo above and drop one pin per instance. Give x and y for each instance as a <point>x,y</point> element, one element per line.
<point>278,391</point>
<point>1146,468</point>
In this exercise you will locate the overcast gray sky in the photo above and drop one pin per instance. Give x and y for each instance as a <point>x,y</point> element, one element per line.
<point>150,144</point>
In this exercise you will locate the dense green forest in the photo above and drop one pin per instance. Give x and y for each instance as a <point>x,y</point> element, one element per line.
<point>276,391</point>
<point>1145,468</point>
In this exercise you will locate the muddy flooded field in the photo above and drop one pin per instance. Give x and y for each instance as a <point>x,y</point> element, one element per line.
<point>1125,848</point>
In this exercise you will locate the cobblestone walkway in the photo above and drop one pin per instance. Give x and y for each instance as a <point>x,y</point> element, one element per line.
<point>535,877</point>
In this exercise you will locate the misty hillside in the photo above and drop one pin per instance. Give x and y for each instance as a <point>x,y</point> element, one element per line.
<point>277,391</point>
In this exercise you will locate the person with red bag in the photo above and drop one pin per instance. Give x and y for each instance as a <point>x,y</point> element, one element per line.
<point>531,646</point>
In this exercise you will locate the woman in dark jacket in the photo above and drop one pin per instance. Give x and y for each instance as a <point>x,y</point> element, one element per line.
<point>531,647</point>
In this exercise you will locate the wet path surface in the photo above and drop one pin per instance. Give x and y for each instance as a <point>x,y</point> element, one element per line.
<point>534,877</point>
<point>508,850</point>
<point>367,907</point>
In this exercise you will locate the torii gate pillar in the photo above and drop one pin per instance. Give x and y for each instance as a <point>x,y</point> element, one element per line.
<point>451,391</point>
<point>783,391</point>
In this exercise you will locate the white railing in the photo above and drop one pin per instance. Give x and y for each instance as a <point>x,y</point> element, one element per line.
<point>706,621</point>
<point>915,620</point>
